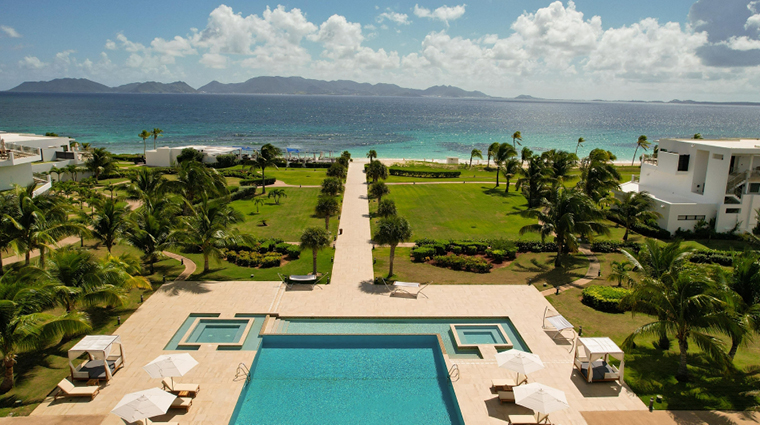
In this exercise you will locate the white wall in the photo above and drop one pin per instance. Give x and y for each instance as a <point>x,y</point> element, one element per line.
<point>16,174</point>
<point>670,212</point>
<point>746,217</point>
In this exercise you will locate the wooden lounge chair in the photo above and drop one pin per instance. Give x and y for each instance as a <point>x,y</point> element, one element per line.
<point>529,419</point>
<point>67,389</point>
<point>176,387</point>
<point>506,397</point>
<point>183,403</point>
<point>399,287</point>
<point>506,384</point>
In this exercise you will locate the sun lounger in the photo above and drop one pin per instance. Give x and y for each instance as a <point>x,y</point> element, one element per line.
<point>409,288</point>
<point>307,279</point>
<point>528,420</point>
<point>601,370</point>
<point>506,384</point>
<point>558,322</point>
<point>506,397</point>
<point>182,403</point>
<point>176,387</point>
<point>67,389</point>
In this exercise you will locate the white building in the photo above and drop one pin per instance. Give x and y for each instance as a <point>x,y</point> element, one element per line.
<point>23,155</point>
<point>167,157</point>
<point>703,179</point>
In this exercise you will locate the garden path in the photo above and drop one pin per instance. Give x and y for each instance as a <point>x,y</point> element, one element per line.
<point>188,263</point>
<point>591,274</point>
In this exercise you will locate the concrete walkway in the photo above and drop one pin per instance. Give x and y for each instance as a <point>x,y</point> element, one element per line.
<point>353,249</point>
<point>591,274</point>
<point>189,265</point>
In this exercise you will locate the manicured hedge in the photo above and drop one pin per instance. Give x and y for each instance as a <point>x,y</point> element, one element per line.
<point>499,255</point>
<point>243,193</point>
<point>405,172</point>
<point>463,262</point>
<point>723,258</point>
<point>528,246</point>
<point>422,253</point>
<point>237,173</point>
<point>254,259</point>
<point>614,246</point>
<point>258,182</point>
<point>604,298</point>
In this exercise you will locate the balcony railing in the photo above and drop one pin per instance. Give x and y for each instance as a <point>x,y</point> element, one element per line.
<point>649,159</point>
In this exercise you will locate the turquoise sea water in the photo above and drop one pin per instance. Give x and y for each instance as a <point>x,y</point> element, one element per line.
<point>395,127</point>
<point>404,326</point>
<point>349,379</point>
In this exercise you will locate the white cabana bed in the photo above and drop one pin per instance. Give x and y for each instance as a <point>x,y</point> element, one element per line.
<point>594,354</point>
<point>101,351</point>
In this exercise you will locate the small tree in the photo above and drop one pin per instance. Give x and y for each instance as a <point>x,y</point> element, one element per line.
<point>331,186</point>
<point>315,239</point>
<point>476,153</point>
<point>258,202</point>
<point>392,231</point>
<point>511,168</point>
<point>642,143</point>
<point>377,170</point>
<point>515,137</point>
<point>327,206</point>
<point>109,221</point>
<point>386,208</point>
<point>155,133</point>
<point>492,148</point>
<point>190,154</point>
<point>378,190</point>
<point>620,273</point>
<point>145,134</point>
<point>100,162</point>
<point>277,194</point>
<point>372,154</point>
<point>337,170</point>
<point>581,141</point>
<point>634,209</point>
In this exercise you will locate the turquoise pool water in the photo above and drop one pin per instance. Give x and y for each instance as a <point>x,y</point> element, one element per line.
<point>441,327</point>
<point>215,331</point>
<point>348,379</point>
<point>480,335</point>
<point>203,334</point>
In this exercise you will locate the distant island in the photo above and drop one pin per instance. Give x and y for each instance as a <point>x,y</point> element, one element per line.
<point>256,85</point>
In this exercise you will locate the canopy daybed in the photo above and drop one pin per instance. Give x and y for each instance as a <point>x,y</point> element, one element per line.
<point>593,354</point>
<point>101,350</point>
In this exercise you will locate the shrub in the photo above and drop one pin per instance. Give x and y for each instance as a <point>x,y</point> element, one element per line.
<point>293,252</point>
<point>421,253</point>
<point>499,255</point>
<point>463,262</point>
<point>503,244</point>
<point>236,173</point>
<point>270,260</point>
<point>456,249</point>
<point>233,189</point>
<point>336,170</point>
<point>406,172</point>
<point>226,160</point>
<point>604,298</point>
<point>282,247</point>
<point>190,154</point>
<point>614,246</point>
<point>723,258</point>
<point>528,246</point>
<point>258,181</point>
<point>243,193</point>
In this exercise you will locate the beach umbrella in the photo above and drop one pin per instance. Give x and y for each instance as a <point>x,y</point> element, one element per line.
<point>540,398</point>
<point>519,361</point>
<point>144,404</point>
<point>170,365</point>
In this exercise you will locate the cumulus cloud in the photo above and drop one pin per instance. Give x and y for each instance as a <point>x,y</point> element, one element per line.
<point>396,17</point>
<point>32,62</point>
<point>723,20</point>
<point>10,31</point>
<point>176,47</point>
<point>444,13</point>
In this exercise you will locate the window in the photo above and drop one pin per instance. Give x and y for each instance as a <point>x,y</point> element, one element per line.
<point>683,162</point>
<point>754,187</point>
<point>691,217</point>
<point>718,156</point>
<point>733,210</point>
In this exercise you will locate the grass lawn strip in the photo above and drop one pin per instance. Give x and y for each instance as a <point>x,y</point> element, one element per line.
<point>224,270</point>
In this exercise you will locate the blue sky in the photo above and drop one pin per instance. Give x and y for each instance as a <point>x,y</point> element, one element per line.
<point>652,50</point>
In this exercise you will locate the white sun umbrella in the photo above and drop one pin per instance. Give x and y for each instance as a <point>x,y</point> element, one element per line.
<point>519,361</point>
<point>540,398</point>
<point>170,365</point>
<point>144,404</point>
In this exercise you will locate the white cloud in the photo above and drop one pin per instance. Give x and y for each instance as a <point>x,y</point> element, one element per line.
<point>177,47</point>
<point>10,31</point>
<point>443,13</point>
<point>743,43</point>
<point>398,18</point>
<point>339,37</point>
<point>111,45</point>
<point>214,60</point>
<point>754,20</point>
<point>31,62</point>
<point>128,45</point>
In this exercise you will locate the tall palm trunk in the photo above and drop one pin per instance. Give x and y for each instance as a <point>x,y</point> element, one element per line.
<point>560,249</point>
<point>735,342</point>
<point>625,236</point>
<point>634,155</point>
<point>393,253</point>
<point>498,169</point>
<point>263,181</point>
<point>506,190</point>
<point>2,271</point>
<point>683,372</point>
<point>314,261</point>
<point>205,262</point>
<point>327,222</point>
<point>42,257</point>
<point>8,362</point>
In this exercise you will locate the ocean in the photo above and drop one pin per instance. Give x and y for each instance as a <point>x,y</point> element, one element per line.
<point>430,128</point>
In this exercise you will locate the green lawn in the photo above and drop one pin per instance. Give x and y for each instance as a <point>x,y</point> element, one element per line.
<point>298,176</point>
<point>650,371</point>
<point>476,173</point>
<point>285,221</point>
<point>528,267</point>
<point>224,270</point>
<point>459,211</point>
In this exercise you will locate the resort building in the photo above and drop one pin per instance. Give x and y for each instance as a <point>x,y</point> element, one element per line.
<point>24,155</point>
<point>692,180</point>
<point>167,157</point>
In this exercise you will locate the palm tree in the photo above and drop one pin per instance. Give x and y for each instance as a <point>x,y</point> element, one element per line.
<point>155,133</point>
<point>377,170</point>
<point>569,214</point>
<point>533,181</point>
<point>515,137</point>
<point>581,141</point>
<point>149,227</point>
<point>109,221</point>
<point>265,158</point>
<point>73,170</point>
<point>258,202</point>
<point>372,154</point>
<point>194,180</point>
<point>687,306</point>
<point>392,231</point>
<point>742,298</point>
<point>386,208</point>
<point>336,170</point>
<point>100,162</point>
<point>23,325</point>
<point>315,239</point>
<point>698,136</point>
<point>559,165</point>
<point>620,273</point>
<point>147,182</point>
<point>492,148</point>
<point>501,155</point>
<point>599,176</point>
<point>475,153</point>
<point>207,229</point>
<point>327,206</point>
<point>634,209</point>
<point>331,186</point>
<point>8,207</point>
<point>525,154</point>
<point>145,134</point>
<point>642,143</point>
<point>277,194</point>
<point>378,190</point>
<point>511,169</point>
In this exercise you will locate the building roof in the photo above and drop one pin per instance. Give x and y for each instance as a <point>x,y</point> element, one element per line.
<point>741,143</point>
<point>668,198</point>
<point>23,137</point>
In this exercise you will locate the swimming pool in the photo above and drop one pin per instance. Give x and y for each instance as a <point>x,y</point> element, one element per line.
<point>399,326</point>
<point>348,379</point>
<point>217,331</point>
<point>227,334</point>
<point>479,334</point>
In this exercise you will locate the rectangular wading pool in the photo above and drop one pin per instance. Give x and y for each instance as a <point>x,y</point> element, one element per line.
<point>348,379</point>
<point>472,335</point>
<point>217,331</point>
<point>238,333</point>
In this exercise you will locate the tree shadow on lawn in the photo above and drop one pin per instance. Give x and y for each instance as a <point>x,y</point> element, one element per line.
<point>651,372</point>
<point>571,269</point>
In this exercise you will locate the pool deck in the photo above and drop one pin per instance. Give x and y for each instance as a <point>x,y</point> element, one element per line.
<point>351,294</point>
